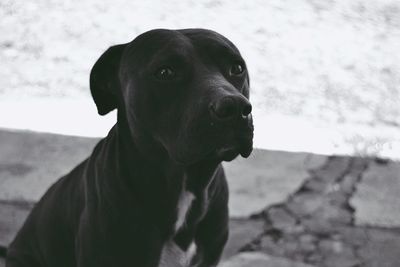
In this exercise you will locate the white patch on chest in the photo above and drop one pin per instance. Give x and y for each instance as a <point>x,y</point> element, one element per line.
<point>173,256</point>
<point>185,201</point>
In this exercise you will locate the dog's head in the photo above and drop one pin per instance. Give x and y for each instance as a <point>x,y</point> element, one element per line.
<point>187,89</point>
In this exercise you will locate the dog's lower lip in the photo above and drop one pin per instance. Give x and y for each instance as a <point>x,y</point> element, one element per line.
<point>246,153</point>
<point>246,146</point>
<point>228,153</point>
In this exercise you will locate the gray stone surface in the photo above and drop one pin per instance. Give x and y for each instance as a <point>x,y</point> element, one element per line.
<point>30,162</point>
<point>12,216</point>
<point>281,219</point>
<point>338,254</point>
<point>242,232</point>
<point>265,178</point>
<point>257,259</point>
<point>382,248</point>
<point>315,224</point>
<point>377,199</point>
<point>2,262</point>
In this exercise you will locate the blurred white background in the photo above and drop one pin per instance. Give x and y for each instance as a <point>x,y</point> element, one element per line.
<point>325,74</point>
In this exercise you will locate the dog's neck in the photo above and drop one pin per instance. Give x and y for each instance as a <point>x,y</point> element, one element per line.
<point>136,154</point>
<point>162,181</point>
<point>137,145</point>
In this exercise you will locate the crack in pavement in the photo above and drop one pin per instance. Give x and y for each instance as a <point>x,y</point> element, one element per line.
<point>315,225</point>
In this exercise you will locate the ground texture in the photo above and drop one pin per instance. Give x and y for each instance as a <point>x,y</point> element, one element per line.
<point>318,226</point>
<point>287,209</point>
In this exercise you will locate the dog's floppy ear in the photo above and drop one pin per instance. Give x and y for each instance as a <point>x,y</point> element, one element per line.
<point>104,81</point>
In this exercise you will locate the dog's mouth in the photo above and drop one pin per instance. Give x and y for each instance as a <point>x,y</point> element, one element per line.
<point>240,146</point>
<point>222,144</point>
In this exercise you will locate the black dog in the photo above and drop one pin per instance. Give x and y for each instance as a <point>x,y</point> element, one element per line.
<point>153,192</point>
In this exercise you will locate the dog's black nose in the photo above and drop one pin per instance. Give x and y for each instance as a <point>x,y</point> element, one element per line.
<point>231,107</point>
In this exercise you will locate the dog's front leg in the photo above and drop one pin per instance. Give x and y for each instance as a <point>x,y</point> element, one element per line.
<point>212,232</point>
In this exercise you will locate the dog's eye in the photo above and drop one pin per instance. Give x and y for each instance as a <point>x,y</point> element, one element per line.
<point>236,69</point>
<point>165,73</point>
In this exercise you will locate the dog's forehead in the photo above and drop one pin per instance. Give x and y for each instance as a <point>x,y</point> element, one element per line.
<point>160,37</point>
<point>181,41</point>
<point>209,39</point>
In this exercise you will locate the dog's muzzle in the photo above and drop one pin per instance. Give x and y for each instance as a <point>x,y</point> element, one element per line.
<point>233,112</point>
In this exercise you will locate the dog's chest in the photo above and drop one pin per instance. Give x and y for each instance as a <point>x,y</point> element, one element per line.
<point>172,254</point>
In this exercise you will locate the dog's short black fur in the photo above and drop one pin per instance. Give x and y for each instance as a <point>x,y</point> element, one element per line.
<point>182,101</point>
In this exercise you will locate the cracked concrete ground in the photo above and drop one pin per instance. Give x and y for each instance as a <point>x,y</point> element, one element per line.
<point>288,209</point>
<point>317,226</point>
<point>377,196</point>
